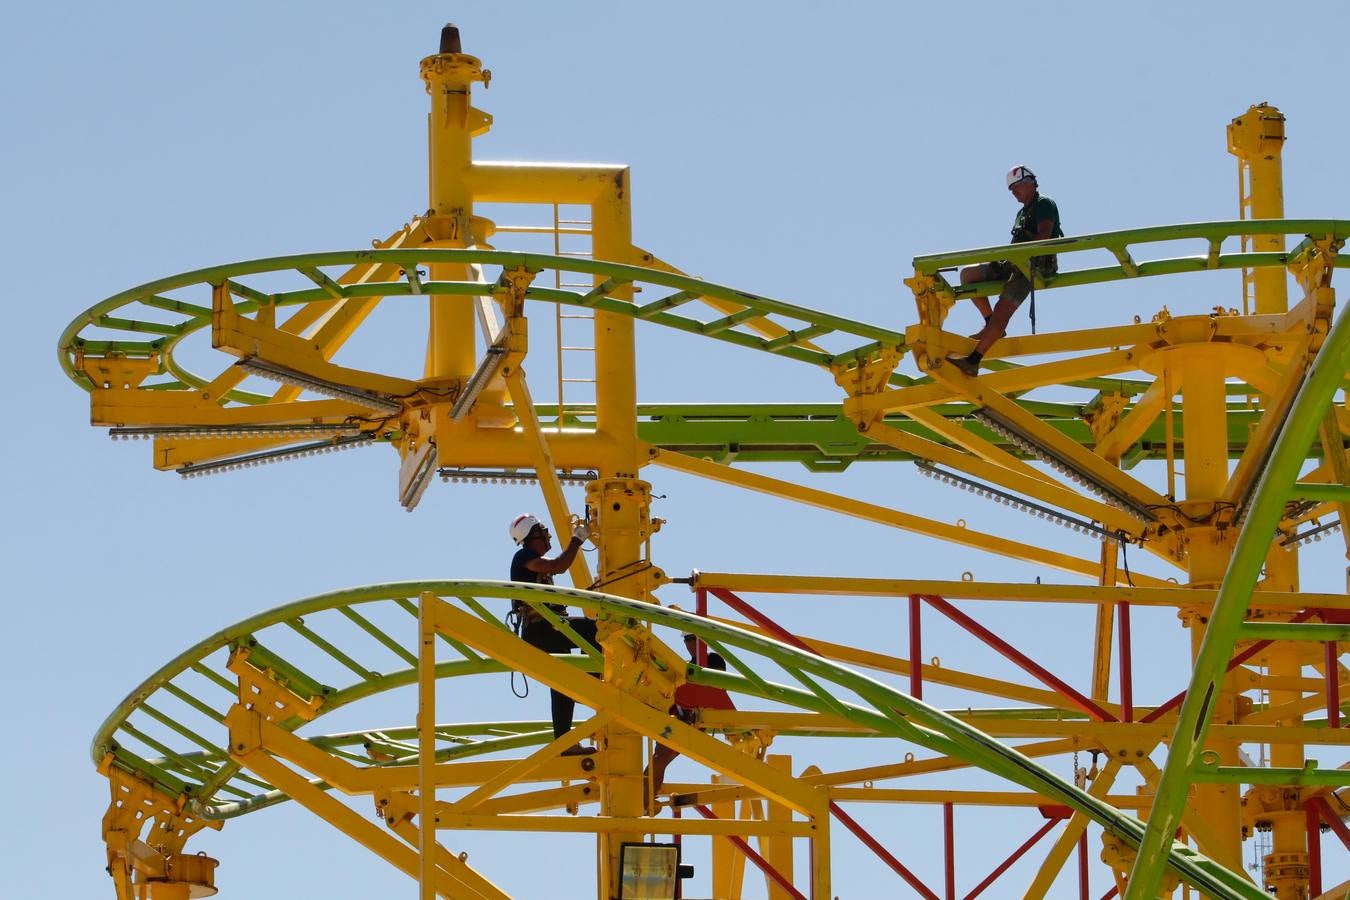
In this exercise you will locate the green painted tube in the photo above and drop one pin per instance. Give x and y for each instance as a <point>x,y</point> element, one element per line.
<point>1230,606</point>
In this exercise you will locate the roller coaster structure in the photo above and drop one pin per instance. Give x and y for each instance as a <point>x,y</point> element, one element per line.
<point>1054,428</point>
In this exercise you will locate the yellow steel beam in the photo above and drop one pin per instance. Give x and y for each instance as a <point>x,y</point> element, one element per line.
<point>935,674</point>
<point>697,746</point>
<point>540,800</point>
<point>449,819</point>
<point>336,321</point>
<point>521,768</point>
<point>307,315</point>
<point>967,798</point>
<point>547,471</point>
<point>1104,628</point>
<point>1160,593</point>
<point>124,408</point>
<point>1135,422</point>
<point>348,821</point>
<point>963,437</point>
<point>526,182</point>
<point>1333,452</point>
<point>1272,715</point>
<point>1252,462</point>
<point>1073,829</point>
<point>1023,378</point>
<point>880,514</point>
<point>1040,488</point>
<point>977,390</point>
<point>426,746</point>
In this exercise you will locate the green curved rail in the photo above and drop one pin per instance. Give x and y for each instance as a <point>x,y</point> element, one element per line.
<point>220,789</point>
<point>1274,490</point>
<point>1118,244</point>
<point>802,325</point>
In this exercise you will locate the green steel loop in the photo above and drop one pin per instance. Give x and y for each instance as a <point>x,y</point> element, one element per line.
<point>885,709</point>
<point>1212,232</point>
<point>1276,485</point>
<point>96,316</point>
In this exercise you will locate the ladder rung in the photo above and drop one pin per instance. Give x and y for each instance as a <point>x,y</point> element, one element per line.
<point>570,316</point>
<point>578,381</point>
<point>587,349</point>
<point>580,254</point>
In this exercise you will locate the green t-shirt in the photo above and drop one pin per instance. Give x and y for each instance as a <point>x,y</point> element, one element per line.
<point>1025,229</point>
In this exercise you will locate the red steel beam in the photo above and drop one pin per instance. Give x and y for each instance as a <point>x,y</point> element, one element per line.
<point>760,862</point>
<point>1014,857</point>
<point>1329,816</point>
<point>915,647</point>
<point>762,620</point>
<point>1236,661</point>
<point>949,849</point>
<point>1314,848</point>
<point>1333,686</point>
<point>1024,662</point>
<point>882,853</point>
<point>701,607</point>
<point>1126,663</point>
<point>1083,866</point>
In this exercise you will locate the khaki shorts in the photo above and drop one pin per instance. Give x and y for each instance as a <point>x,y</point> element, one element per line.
<point>1016,287</point>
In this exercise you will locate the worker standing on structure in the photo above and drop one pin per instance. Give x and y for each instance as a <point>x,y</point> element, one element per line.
<point>689,699</point>
<point>532,567</point>
<point>1037,220</point>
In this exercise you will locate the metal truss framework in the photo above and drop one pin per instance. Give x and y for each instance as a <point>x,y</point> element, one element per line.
<point>1053,429</point>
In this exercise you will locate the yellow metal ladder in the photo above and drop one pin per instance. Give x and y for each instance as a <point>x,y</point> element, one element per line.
<point>575,361</point>
<point>1244,213</point>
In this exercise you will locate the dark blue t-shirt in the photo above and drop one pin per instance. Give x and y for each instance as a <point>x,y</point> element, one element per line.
<point>520,570</point>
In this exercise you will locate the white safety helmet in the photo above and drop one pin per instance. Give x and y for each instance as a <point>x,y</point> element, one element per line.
<point>1019,173</point>
<point>522,525</point>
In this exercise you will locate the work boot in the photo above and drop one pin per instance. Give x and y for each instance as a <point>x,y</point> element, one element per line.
<point>577,750</point>
<point>965,364</point>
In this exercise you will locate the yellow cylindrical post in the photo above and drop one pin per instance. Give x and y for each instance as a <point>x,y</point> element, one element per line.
<point>1256,138</point>
<point>1286,867</point>
<point>451,126</point>
<point>1200,369</point>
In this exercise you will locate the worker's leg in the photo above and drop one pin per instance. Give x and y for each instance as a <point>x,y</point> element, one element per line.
<point>974,275</point>
<point>997,325</point>
<point>662,757</point>
<point>586,629</point>
<point>563,708</point>
<point>1015,290</point>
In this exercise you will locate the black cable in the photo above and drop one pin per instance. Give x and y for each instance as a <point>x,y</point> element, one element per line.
<point>1125,557</point>
<point>516,622</point>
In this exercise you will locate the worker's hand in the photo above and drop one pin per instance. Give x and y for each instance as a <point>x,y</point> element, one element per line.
<point>581,533</point>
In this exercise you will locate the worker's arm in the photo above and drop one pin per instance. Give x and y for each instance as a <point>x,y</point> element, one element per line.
<point>1044,230</point>
<point>563,561</point>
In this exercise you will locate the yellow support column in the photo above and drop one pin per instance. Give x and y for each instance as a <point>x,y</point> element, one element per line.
<point>620,503</point>
<point>1200,369</point>
<point>426,747</point>
<point>1256,138</point>
<point>777,848</point>
<point>451,126</point>
<point>1286,866</point>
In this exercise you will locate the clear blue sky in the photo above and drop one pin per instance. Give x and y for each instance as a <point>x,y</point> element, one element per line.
<point>802,151</point>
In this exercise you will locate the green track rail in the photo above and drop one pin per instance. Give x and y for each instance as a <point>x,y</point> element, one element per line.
<point>1277,486</point>
<point>178,712</point>
<point>150,320</point>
